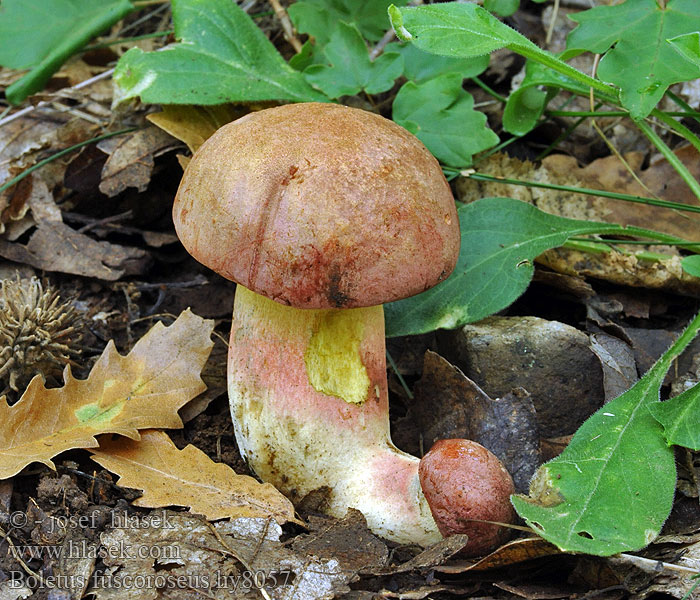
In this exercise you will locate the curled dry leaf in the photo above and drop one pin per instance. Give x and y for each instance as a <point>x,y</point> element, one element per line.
<point>194,124</point>
<point>188,477</point>
<point>507,555</point>
<point>55,246</point>
<point>130,161</point>
<point>448,404</point>
<point>121,395</point>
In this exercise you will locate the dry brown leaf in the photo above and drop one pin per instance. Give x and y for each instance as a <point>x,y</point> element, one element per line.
<point>194,124</point>
<point>188,477</point>
<point>604,174</point>
<point>121,395</point>
<point>54,246</point>
<point>130,161</point>
<point>609,174</point>
<point>448,404</point>
<point>661,179</point>
<point>623,269</point>
<point>179,556</point>
<point>509,554</point>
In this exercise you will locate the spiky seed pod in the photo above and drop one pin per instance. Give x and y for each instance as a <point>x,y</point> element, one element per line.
<point>38,332</point>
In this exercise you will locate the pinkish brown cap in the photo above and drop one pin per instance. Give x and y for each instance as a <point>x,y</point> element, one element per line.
<point>319,206</point>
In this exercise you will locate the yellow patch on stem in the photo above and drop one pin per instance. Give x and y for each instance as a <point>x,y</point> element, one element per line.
<point>333,362</point>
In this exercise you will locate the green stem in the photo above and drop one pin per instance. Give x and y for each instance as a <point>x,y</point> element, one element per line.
<point>679,128</point>
<point>672,159</point>
<point>489,90</point>
<point>683,243</point>
<point>404,385</point>
<point>136,38</point>
<point>59,154</point>
<point>588,191</point>
<point>664,363</point>
<point>683,104</point>
<point>615,113</point>
<point>563,135</point>
<point>532,52</point>
<point>497,148</point>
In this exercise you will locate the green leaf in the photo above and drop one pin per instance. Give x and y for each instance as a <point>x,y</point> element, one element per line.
<point>688,46</point>
<point>680,418</point>
<point>524,108</point>
<point>453,29</point>
<point>465,30</point>
<point>419,66</point>
<point>500,239</point>
<point>612,488</point>
<point>351,70</point>
<point>307,56</point>
<point>691,265</point>
<point>318,18</point>
<point>442,116</point>
<point>43,34</point>
<point>641,62</point>
<point>503,8</point>
<point>222,57</point>
<point>525,105</point>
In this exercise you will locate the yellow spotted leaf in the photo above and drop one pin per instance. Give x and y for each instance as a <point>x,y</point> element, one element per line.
<point>121,395</point>
<point>188,477</point>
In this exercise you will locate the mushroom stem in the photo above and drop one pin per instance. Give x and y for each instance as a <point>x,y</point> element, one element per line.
<point>309,402</point>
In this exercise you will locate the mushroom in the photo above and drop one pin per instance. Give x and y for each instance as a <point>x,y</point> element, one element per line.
<point>321,213</point>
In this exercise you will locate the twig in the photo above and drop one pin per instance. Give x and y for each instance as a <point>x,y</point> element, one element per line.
<point>61,153</point>
<point>43,103</point>
<point>18,558</point>
<point>246,564</point>
<point>111,219</point>
<point>381,44</point>
<point>552,21</point>
<point>286,23</point>
<point>647,564</point>
<point>605,139</point>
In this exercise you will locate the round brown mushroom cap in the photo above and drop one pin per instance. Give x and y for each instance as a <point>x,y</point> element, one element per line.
<point>319,206</point>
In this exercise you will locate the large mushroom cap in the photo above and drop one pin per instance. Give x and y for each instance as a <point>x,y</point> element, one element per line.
<point>319,206</point>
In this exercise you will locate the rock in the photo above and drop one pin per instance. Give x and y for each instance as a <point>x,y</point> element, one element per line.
<point>551,360</point>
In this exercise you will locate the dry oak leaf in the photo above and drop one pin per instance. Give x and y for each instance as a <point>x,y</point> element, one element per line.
<point>122,394</point>
<point>188,477</point>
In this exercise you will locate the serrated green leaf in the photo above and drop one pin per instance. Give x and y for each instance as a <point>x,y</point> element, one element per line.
<point>442,116</point>
<point>680,418</point>
<point>350,70</point>
<point>466,30</point>
<point>612,488</point>
<point>319,18</point>
<point>500,239</point>
<point>419,66</point>
<point>688,46</point>
<point>638,59</point>
<point>454,29</point>
<point>222,57</point>
<point>43,34</point>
